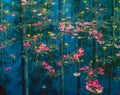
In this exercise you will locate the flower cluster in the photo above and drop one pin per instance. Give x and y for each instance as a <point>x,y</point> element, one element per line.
<point>80,26</point>
<point>46,66</point>
<point>42,47</point>
<point>94,86</point>
<point>91,71</point>
<point>117,47</point>
<point>79,54</point>
<point>2,28</point>
<point>66,27</point>
<point>97,36</point>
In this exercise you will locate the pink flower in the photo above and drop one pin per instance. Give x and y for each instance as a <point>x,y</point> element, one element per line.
<point>82,30</point>
<point>77,29</point>
<point>90,32</point>
<point>59,63</point>
<point>100,35</point>
<point>35,37</point>
<point>101,72</point>
<point>118,54</point>
<point>13,39</point>
<point>95,32</point>
<point>79,23</point>
<point>8,68</point>
<point>2,28</point>
<point>91,72</point>
<point>117,46</point>
<point>100,69</point>
<point>52,71</point>
<point>48,67</point>
<point>65,56</point>
<point>69,26</point>
<point>27,44</point>
<point>61,26</point>
<point>13,14</point>
<point>87,8</point>
<point>91,23</point>
<point>101,42</point>
<point>75,56</point>
<point>94,86</point>
<point>43,47</point>
<point>37,24</point>
<point>38,50</point>
<point>44,64</point>
<point>1,47</point>
<point>84,68</point>
<point>68,31</point>
<point>80,52</point>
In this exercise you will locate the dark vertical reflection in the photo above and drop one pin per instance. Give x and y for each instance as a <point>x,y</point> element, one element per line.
<point>61,51</point>
<point>110,69</point>
<point>94,41</point>
<point>21,42</point>
<point>2,86</point>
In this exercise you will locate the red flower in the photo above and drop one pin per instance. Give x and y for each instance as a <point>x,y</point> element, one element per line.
<point>59,63</point>
<point>52,71</point>
<point>75,56</point>
<point>84,68</point>
<point>27,44</point>
<point>91,72</point>
<point>44,64</point>
<point>65,56</point>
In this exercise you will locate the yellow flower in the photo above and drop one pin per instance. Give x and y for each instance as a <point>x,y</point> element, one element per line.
<point>116,8</point>
<point>29,25</point>
<point>44,10</point>
<point>114,26</point>
<point>40,35</point>
<point>97,60</point>
<point>35,47</point>
<point>82,12</point>
<point>104,48</point>
<point>5,21</point>
<point>66,44</point>
<point>49,33</point>
<point>7,11</point>
<point>5,27</point>
<point>28,35</point>
<point>91,62</point>
<point>8,24</point>
<point>34,2</point>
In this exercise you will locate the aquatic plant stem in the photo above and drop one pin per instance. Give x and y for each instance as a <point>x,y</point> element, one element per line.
<point>78,66</point>
<point>61,51</point>
<point>62,68</point>
<point>23,53</point>
<point>94,53</point>
<point>26,78</point>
